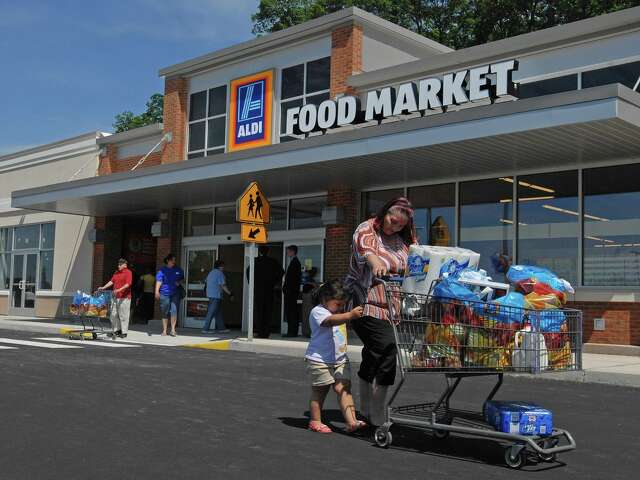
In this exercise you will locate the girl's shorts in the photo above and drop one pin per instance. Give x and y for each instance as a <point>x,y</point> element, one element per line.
<point>322,374</point>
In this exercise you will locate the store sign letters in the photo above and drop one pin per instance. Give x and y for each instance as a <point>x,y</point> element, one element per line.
<point>471,85</point>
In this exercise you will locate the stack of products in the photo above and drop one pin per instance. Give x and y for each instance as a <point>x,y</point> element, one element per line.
<point>521,418</point>
<point>89,305</point>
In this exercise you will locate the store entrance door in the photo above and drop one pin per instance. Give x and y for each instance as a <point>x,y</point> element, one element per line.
<point>233,258</point>
<point>199,264</point>
<point>23,283</point>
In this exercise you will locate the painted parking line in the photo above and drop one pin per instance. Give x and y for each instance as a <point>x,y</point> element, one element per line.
<point>86,343</point>
<point>29,343</point>
<point>124,341</point>
<point>2,347</point>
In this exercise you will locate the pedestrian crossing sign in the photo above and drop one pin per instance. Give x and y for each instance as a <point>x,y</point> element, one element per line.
<point>253,206</point>
<point>253,233</point>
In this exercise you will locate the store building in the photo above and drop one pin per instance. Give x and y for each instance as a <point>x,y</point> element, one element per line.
<point>44,256</point>
<point>525,149</point>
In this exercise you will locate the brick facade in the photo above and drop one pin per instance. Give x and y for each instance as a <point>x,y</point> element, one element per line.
<point>110,163</point>
<point>622,322</point>
<point>338,237</point>
<point>176,96</point>
<point>346,57</point>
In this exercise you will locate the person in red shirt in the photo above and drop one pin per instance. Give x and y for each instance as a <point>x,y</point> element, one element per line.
<point>121,305</point>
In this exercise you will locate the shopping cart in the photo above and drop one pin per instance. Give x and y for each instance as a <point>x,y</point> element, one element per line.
<point>94,321</point>
<point>463,339</point>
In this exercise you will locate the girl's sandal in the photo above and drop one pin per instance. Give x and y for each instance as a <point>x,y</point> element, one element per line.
<point>359,425</point>
<point>319,427</point>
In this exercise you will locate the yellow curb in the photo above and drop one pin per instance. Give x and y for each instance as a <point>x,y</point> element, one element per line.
<point>214,345</point>
<point>68,332</point>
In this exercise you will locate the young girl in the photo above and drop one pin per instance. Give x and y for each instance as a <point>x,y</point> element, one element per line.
<point>326,356</point>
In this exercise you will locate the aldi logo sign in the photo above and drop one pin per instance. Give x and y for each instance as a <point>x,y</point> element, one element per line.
<point>250,111</point>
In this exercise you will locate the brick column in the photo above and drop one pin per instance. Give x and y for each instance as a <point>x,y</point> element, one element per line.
<point>338,237</point>
<point>107,249</point>
<point>622,322</point>
<point>346,57</point>
<point>171,239</point>
<point>107,162</point>
<point>175,118</point>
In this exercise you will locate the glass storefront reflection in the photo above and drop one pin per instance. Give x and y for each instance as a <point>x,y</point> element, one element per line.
<point>435,214</point>
<point>548,222</point>
<point>486,223</point>
<point>611,226</point>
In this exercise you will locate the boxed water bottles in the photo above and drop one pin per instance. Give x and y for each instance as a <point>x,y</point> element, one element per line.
<point>521,418</point>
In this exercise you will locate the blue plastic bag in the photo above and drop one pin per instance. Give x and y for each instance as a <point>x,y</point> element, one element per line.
<point>521,273</point>
<point>508,309</point>
<point>451,288</point>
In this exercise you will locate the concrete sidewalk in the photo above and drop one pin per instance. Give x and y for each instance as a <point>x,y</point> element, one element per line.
<point>621,370</point>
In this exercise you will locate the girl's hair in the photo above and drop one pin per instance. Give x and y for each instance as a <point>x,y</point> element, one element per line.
<point>169,257</point>
<point>398,206</point>
<point>218,264</point>
<point>330,290</point>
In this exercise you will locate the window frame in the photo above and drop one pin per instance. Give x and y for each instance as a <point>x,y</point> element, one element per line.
<point>203,152</point>
<point>304,97</point>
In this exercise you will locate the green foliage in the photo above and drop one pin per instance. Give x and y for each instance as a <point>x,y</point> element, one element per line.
<point>127,120</point>
<point>455,23</point>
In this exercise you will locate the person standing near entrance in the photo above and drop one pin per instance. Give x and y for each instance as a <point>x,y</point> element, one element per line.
<point>268,274</point>
<point>380,247</point>
<point>291,290</point>
<point>121,305</point>
<point>216,284</point>
<point>168,285</point>
<point>148,287</point>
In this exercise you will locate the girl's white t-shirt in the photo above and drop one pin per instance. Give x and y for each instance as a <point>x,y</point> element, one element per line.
<point>327,344</point>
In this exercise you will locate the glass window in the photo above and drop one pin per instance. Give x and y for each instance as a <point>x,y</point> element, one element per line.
<point>216,134</point>
<point>318,75</point>
<point>374,201</point>
<point>611,226</point>
<point>218,101</point>
<point>318,99</point>
<point>307,212</point>
<point>226,221</point>
<point>5,270</point>
<point>549,86</point>
<point>486,223</point>
<point>196,136</point>
<point>198,223</point>
<point>195,155</point>
<point>310,257</point>
<point>46,270</point>
<point>198,106</point>
<point>435,214</point>
<point>5,239</point>
<point>627,74</point>
<point>215,151</point>
<point>27,237</point>
<point>47,239</point>
<point>292,81</point>
<point>278,215</point>
<point>548,222</point>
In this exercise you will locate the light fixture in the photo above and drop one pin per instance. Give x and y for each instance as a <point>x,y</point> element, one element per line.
<point>598,239</point>
<point>528,185</point>
<point>510,222</point>
<point>528,199</point>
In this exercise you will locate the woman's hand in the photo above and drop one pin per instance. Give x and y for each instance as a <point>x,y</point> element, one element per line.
<point>378,267</point>
<point>357,312</point>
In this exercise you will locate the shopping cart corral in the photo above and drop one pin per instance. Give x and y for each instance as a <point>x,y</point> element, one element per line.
<point>92,313</point>
<point>465,339</point>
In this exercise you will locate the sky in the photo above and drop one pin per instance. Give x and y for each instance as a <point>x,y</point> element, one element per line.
<point>68,67</point>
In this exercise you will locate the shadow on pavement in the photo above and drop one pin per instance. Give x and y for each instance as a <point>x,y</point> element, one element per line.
<point>464,449</point>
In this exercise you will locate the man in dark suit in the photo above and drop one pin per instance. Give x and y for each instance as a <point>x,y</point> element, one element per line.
<point>268,275</point>
<point>291,290</point>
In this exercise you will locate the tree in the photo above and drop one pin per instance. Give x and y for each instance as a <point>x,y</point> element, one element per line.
<point>127,120</point>
<point>455,23</point>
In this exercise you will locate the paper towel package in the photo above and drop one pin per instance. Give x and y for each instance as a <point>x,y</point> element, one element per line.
<point>427,263</point>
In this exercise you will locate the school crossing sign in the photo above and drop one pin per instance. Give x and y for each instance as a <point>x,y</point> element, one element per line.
<point>254,212</point>
<point>250,119</point>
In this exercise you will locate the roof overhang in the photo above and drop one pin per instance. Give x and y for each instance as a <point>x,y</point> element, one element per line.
<point>565,130</point>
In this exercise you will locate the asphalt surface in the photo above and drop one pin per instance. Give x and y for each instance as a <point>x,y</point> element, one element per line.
<point>170,412</point>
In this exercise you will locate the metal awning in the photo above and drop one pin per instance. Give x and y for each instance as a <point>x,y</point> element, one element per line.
<point>553,132</point>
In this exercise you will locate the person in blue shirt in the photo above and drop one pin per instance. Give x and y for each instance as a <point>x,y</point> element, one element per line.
<point>216,284</point>
<point>169,292</point>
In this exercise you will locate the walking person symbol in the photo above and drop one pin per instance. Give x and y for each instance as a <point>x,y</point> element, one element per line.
<point>251,204</point>
<point>258,206</point>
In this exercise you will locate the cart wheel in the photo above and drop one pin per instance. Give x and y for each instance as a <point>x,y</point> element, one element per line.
<point>515,457</point>
<point>441,434</point>
<point>549,443</point>
<point>382,437</point>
